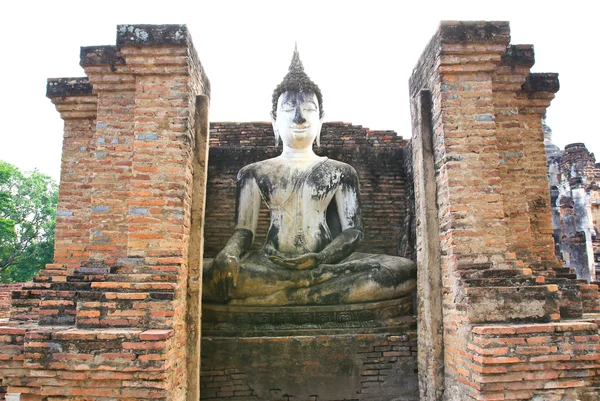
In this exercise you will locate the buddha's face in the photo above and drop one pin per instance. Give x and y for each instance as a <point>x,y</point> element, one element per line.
<point>297,121</point>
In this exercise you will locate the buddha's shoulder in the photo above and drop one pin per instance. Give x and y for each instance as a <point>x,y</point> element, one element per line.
<point>272,166</point>
<point>257,169</point>
<point>342,167</point>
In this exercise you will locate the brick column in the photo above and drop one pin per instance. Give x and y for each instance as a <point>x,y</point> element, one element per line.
<point>168,78</point>
<point>507,82</point>
<point>119,291</point>
<point>77,105</point>
<point>429,294</point>
<point>535,97</point>
<point>45,300</point>
<point>112,167</point>
<point>481,279</point>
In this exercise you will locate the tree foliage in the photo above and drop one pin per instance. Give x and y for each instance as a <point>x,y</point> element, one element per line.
<point>27,221</point>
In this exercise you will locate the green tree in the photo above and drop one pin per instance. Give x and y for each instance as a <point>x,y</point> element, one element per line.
<point>27,221</point>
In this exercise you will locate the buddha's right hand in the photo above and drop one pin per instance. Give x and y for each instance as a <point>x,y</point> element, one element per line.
<point>302,262</point>
<point>224,277</point>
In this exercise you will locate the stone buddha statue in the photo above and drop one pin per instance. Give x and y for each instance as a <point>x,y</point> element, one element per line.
<point>309,255</point>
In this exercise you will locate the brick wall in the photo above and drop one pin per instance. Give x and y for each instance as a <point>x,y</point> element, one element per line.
<point>5,298</point>
<point>492,203</point>
<point>336,367</point>
<point>520,362</point>
<point>72,363</point>
<point>376,156</point>
<point>497,320</point>
<point>108,318</point>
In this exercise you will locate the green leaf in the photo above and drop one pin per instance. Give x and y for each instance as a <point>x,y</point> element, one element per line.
<point>27,221</point>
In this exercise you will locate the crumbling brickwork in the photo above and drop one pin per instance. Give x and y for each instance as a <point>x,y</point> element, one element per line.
<point>477,113</point>
<point>575,195</point>
<point>5,297</point>
<point>107,319</point>
<point>347,367</point>
<point>541,362</point>
<point>117,315</point>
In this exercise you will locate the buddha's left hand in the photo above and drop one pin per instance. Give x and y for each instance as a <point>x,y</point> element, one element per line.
<point>303,262</point>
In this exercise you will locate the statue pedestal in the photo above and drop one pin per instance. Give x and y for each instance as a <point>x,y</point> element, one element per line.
<point>251,321</point>
<point>323,353</point>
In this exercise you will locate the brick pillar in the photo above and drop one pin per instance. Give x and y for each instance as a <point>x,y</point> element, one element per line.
<point>429,294</point>
<point>458,75</point>
<point>77,105</point>
<point>49,300</point>
<point>535,97</point>
<point>482,280</point>
<point>159,202</point>
<point>507,82</point>
<point>112,313</point>
<point>115,86</point>
<point>467,145</point>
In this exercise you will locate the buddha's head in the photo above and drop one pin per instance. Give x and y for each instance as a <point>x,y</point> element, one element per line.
<point>297,112</point>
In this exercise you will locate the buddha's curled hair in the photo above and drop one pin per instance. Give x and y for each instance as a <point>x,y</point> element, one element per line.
<point>296,80</point>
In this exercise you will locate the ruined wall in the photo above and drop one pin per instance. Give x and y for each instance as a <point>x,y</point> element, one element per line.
<point>499,318</point>
<point>350,367</point>
<point>376,156</point>
<point>108,318</point>
<point>575,195</point>
<point>477,124</point>
<point>5,297</point>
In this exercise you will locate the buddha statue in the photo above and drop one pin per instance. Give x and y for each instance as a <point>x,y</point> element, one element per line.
<point>309,255</point>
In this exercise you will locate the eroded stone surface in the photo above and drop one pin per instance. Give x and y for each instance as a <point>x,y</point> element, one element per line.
<point>573,177</point>
<point>309,254</point>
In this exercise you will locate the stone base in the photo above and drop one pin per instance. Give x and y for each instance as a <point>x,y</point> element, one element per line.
<point>530,361</point>
<point>249,321</point>
<point>61,363</point>
<point>347,367</point>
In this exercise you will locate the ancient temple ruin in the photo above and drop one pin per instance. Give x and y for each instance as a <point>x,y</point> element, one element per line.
<point>118,315</point>
<point>573,176</point>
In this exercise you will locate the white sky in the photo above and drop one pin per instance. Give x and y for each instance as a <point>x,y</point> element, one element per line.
<point>361,54</point>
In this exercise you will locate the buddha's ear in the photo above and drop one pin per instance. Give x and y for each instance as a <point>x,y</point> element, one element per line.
<point>318,140</point>
<point>275,131</point>
<point>276,138</point>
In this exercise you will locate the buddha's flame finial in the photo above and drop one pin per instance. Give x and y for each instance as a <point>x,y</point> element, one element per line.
<point>296,80</point>
<point>296,65</point>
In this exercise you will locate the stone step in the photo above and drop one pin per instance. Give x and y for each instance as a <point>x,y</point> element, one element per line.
<point>123,309</point>
<point>145,269</point>
<point>496,273</point>
<point>567,275</point>
<point>515,303</point>
<point>590,298</point>
<point>593,318</point>
<point>129,278</point>
<point>501,282</point>
<point>108,286</point>
<point>33,286</point>
<point>127,286</point>
<point>113,296</point>
<point>99,272</point>
<point>25,310</point>
<point>54,272</point>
